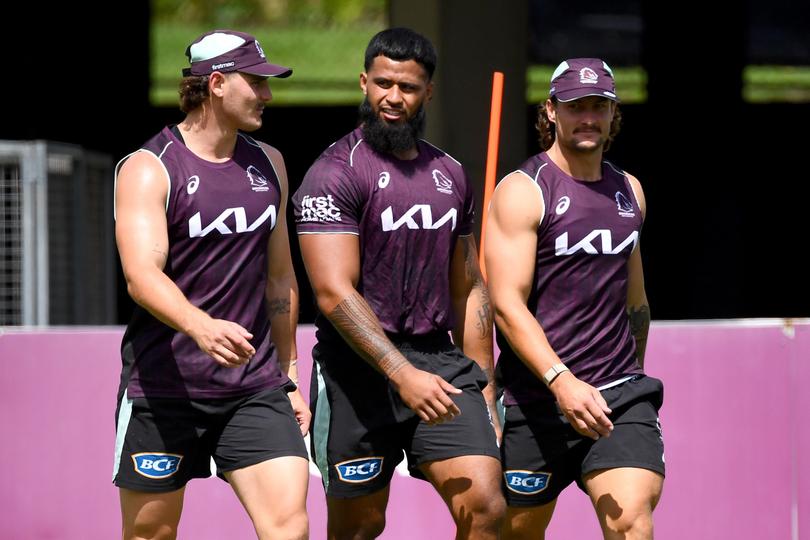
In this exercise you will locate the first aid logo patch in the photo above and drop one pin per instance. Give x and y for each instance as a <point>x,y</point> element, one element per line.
<point>527,482</point>
<point>156,465</point>
<point>357,471</point>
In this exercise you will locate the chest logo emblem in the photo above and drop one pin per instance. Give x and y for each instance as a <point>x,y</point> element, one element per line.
<point>624,205</point>
<point>257,180</point>
<point>193,184</point>
<point>385,178</point>
<point>562,205</point>
<point>443,184</point>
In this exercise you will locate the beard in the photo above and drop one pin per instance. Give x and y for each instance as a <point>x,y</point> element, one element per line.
<point>390,138</point>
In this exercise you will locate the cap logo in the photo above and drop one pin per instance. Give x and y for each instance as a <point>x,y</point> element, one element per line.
<point>223,65</point>
<point>588,76</point>
<point>259,48</point>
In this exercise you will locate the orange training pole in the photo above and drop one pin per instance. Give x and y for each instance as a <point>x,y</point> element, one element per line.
<point>492,158</point>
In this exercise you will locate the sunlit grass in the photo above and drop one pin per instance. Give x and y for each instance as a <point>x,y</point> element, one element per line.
<point>766,84</point>
<point>326,62</point>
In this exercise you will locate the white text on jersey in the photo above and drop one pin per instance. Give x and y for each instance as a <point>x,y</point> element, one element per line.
<point>425,213</point>
<point>586,245</point>
<point>195,229</point>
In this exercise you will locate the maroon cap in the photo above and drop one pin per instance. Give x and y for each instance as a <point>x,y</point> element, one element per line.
<point>580,77</point>
<point>228,50</point>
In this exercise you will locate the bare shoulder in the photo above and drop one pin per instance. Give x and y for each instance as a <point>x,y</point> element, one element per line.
<point>277,159</point>
<point>518,197</point>
<point>143,171</point>
<point>271,151</point>
<point>639,192</point>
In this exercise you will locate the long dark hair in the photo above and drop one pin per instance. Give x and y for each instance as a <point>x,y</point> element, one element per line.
<point>193,92</point>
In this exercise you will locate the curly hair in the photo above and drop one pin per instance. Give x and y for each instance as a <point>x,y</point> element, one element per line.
<point>545,127</point>
<point>193,92</point>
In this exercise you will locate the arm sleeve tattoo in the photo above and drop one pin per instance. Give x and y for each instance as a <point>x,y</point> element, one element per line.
<point>639,327</point>
<point>483,314</point>
<point>362,331</point>
<point>276,306</point>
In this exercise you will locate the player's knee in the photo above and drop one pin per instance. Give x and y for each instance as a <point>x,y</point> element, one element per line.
<point>630,526</point>
<point>486,508</point>
<point>293,526</point>
<point>494,508</point>
<point>150,531</point>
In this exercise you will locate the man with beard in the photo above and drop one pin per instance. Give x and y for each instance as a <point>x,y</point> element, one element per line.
<point>385,226</point>
<point>567,284</point>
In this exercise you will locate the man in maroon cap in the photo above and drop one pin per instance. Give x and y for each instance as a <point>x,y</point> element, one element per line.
<point>566,280</point>
<point>209,354</point>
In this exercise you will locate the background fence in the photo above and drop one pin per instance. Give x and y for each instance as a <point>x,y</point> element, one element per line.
<point>736,422</point>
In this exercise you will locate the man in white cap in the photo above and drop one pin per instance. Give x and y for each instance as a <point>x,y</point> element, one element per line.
<point>209,355</point>
<point>566,280</point>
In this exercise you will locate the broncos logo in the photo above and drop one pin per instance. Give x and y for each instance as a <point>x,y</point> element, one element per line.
<point>257,180</point>
<point>443,184</point>
<point>623,203</point>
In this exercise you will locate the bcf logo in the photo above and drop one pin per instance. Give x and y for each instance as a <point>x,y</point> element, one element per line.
<point>360,470</point>
<point>527,482</point>
<point>156,465</point>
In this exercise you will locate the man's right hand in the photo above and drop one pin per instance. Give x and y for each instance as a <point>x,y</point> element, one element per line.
<point>583,405</point>
<point>427,394</point>
<point>224,341</point>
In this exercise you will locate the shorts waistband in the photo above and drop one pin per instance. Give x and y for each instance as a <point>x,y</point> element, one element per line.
<point>423,341</point>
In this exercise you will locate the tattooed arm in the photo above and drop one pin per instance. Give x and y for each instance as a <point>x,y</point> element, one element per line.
<point>472,332</point>
<point>639,326</point>
<point>282,287</point>
<point>638,308</point>
<point>282,296</point>
<point>333,267</point>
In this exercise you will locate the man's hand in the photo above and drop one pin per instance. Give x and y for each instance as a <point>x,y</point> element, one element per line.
<point>224,341</point>
<point>582,405</point>
<point>302,413</point>
<point>426,394</point>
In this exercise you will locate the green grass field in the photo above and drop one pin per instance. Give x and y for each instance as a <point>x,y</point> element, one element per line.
<point>327,63</point>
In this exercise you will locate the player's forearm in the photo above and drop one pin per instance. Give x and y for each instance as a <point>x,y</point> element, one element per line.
<point>525,336</point>
<point>152,289</point>
<point>282,311</point>
<point>639,326</point>
<point>473,329</point>
<point>361,329</point>
<point>473,333</point>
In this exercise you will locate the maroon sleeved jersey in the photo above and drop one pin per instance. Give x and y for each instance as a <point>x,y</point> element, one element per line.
<point>407,214</point>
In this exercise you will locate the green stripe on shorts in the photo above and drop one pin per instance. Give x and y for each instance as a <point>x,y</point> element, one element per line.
<point>320,431</point>
<point>124,414</point>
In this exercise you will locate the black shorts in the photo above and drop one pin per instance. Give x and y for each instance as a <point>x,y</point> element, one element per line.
<point>542,454</point>
<point>163,443</point>
<point>361,426</point>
